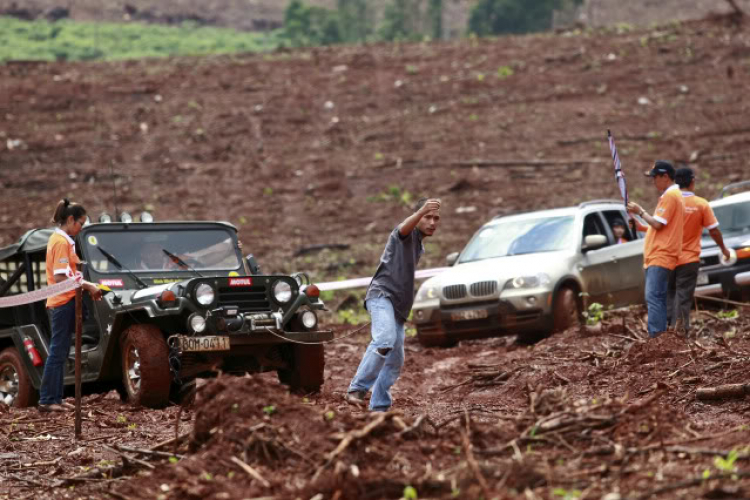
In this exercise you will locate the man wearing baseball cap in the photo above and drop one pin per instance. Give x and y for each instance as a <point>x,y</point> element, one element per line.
<point>698,216</point>
<point>663,245</point>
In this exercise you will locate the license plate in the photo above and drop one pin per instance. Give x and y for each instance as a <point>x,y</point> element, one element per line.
<point>194,344</point>
<point>702,279</point>
<point>469,315</point>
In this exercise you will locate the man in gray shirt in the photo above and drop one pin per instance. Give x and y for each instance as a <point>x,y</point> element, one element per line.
<point>388,300</point>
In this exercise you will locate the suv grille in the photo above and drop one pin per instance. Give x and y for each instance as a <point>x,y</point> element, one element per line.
<point>710,261</point>
<point>248,298</point>
<point>453,292</point>
<point>483,288</point>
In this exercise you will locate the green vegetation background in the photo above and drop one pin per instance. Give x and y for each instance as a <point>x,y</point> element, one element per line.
<point>353,21</point>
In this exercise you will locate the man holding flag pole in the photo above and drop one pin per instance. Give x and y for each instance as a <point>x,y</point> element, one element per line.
<point>663,245</point>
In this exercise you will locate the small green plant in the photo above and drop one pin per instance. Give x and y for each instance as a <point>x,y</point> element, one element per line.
<point>207,476</point>
<point>122,419</point>
<point>733,314</point>
<point>411,69</point>
<point>268,191</point>
<point>410,493</point>
<point>727,464</point>
<point>504,72</point>
<point>594,314</point>
<point>567,495</point>
<point>132,426</point>
<point>230,474</point>
<point>329,415</point>
<point>269,410</point>
<point>173,460</point>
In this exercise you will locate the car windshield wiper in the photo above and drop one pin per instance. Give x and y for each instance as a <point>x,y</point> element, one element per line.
<point>180,262</point>
<point>111,258</point>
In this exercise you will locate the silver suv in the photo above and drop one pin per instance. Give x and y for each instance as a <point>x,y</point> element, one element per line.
<point>531,274</point>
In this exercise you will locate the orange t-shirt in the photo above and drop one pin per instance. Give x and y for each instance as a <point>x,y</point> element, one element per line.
<point>698,215</point>
<point>663,247</point>
<point>61,255</point>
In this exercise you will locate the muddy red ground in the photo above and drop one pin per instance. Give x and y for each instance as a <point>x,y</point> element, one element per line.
<point>583,413</point>
<point>253,140</point>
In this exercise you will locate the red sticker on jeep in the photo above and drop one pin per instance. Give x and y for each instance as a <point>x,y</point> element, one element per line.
<point>240,282</point>
<point>112,283</point>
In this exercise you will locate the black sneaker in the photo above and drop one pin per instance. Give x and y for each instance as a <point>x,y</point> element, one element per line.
<point>356,398</point>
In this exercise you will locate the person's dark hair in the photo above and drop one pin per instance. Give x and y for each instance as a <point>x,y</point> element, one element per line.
<point>684,177</point>
<point>420,203</point>
<point>65,209</point>
<point>663,164</point>
<point>618,222</point>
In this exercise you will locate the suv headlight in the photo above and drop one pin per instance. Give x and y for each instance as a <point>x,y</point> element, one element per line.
<point>532,281</point>
<point>205,294</point>
<point>282,292</point>
<point>426,292</point>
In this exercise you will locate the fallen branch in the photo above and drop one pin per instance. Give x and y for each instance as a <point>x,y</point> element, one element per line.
<point>723,301</point>
<point>251,472</point>
<point>169,441</point>
<point>349,438</point>
<point>697,481</point>
<point>127,459</point>
<point>466,440</point>
<point>727,391</point>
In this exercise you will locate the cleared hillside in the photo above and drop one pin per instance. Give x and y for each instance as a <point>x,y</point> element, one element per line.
<point>325,145</point>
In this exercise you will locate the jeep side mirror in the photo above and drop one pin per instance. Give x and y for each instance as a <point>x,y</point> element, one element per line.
<point>594,241</point>
<point>452,258</point>
<point>252,264</point>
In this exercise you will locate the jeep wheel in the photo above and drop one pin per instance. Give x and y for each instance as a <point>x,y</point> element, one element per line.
<point>306,364</point>
<point>15,385</point>
<point>565,311</point>
<point>440,340</point>
<point>145,366</point>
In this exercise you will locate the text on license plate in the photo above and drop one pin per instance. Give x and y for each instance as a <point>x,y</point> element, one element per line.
<point>192,344</point>
<point>469,315</point>
<point>702,279</point>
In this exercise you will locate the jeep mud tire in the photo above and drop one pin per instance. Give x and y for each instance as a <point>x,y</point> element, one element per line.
<point>14,380</point>
<point>306,364</point>
<point>565,311</point>
<point>145,366</point>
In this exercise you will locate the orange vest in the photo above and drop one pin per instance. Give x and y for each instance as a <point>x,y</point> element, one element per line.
<point>698,215</point>
<point>663,247</point>
<point>61,256</point>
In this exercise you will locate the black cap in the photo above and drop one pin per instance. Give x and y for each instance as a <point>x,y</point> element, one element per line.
<point>618,222</point>
<point>661,167</point>
<point>684,174</point>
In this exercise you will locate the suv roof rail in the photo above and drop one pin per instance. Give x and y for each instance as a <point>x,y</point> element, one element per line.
<point>732,186</point>
<point>597,202</point>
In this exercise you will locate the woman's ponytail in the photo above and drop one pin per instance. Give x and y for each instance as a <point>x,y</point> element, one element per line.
<point>65,209</point>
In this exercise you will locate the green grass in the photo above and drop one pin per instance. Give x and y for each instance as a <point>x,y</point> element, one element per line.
<point>78,41</point>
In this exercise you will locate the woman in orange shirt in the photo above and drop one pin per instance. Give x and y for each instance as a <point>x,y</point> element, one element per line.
<point>61,262</point>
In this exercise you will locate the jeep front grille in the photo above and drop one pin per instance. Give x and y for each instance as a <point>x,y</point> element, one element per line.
<point>454,292</point>
<point>248,298</point>
<point>483,288</point>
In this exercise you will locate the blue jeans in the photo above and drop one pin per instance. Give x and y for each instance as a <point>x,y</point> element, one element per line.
<point>657,282</point>
<point>63,325</point>
<point>384,357</point>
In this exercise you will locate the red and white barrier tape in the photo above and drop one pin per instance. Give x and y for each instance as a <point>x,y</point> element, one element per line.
<point>364,282</point>
<point>75,279</point>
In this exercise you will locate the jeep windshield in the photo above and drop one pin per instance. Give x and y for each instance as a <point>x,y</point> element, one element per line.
<point>143,250</point>
<point>520,236</point>
<point>734,219</point>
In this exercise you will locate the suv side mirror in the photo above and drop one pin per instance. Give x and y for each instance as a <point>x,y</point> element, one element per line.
<point>252,264</point>
<point>452,258</point>
<point>594,241</point>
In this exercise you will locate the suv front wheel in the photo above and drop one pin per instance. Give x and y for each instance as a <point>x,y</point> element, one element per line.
<point>145,366</point>
<point>565,310</point>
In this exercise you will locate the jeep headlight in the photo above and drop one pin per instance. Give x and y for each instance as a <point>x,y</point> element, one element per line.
<point>282,292</point>
<point>205,294</point>
<point>532,281</point>
<point>426,292</point>
<point>197,323</point>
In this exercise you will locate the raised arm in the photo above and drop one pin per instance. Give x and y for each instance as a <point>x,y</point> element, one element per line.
<point>635,208</point>
<point>406,227</point>
<point>716,235</point>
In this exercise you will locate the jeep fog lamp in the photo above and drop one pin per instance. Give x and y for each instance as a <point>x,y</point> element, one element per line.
<point>282,292</point>
<point>309,320</point>
<point>126,218</point>
<point>146,217</point>
<point>204,294</point>
<point>197,323</point>
<point>105,217</point>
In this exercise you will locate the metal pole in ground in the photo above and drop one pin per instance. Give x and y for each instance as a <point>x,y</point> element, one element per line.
<point>79,332</point>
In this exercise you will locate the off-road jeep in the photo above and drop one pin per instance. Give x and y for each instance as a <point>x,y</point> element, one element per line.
<point>183,304</point>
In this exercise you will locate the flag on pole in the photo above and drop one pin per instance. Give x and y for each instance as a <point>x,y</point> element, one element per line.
<point>619,176</point>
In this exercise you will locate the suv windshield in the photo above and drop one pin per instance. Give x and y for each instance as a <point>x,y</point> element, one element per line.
<point>520,236</point>
<point>733,219</point>
<point>140,251</point>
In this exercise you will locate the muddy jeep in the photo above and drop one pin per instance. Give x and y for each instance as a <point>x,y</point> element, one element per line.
<point>183,303</point>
